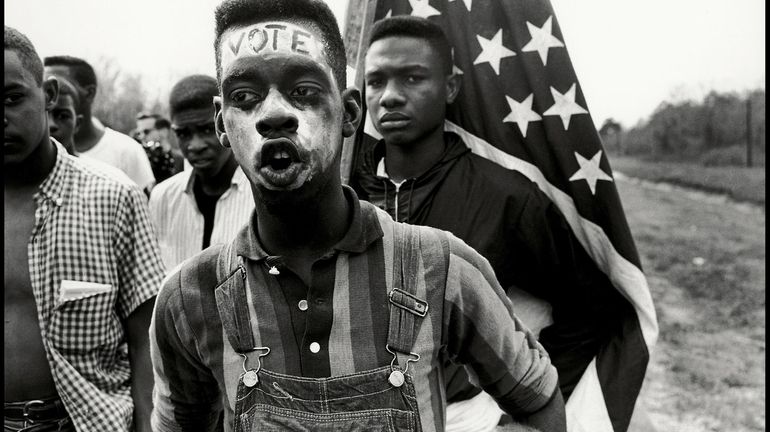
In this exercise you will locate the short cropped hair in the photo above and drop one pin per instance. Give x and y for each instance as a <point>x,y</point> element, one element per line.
<point>82,72</point>
<point>162,123</point>
<point>22,46</point>
<point>193,92</point>
<point>416,27</point>
<point>244,12</point>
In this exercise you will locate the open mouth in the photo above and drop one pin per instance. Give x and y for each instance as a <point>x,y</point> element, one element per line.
<point>280,163</point>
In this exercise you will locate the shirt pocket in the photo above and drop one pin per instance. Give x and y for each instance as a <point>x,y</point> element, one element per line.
<point>83,323</point>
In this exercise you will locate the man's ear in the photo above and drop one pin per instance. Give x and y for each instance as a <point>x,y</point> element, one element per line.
<point>51,90</point>
<point>219,122</point>
<point>453,83</point>
<point>90,93</point>
<point>78,122</point>
<point>351,105</point>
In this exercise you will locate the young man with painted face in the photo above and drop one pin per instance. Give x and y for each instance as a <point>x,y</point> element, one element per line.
<point>93,139</point>
<point>210,203</point>
<point>81,273</point>
<point>422,175</point>
<point>323,313</point>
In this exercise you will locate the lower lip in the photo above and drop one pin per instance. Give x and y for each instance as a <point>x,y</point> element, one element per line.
<point>394,124</point>
<point>282,178</point>
<point>201,163</point>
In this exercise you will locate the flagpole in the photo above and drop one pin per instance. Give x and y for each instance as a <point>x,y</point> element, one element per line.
<point>358,22</point>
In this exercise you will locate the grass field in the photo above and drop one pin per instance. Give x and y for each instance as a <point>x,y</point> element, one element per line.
<point>705,264</point>
<point>742,184</point>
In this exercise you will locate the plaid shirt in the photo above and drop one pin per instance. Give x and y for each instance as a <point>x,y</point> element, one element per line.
<point>346,313</point>
<point>92,231</point>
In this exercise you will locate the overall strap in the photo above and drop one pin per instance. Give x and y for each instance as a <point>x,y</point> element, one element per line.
<point>406,309</point>
<point>231,299</point>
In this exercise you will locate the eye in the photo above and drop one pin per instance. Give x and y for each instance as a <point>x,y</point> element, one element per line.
<point>305,91</point>
<point>182,134</point>
<point>374,82</point>
<point>413,79</point>
<point>62,115</point>
<point>13,98</point>
<point>207,130</point>
<point>244,96</point>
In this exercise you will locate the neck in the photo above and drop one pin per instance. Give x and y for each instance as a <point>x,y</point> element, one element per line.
<point>220,182</point>
<point>89,133</point>
<point>410,161</point>
<point>31,172</point>
<point>306,227</point>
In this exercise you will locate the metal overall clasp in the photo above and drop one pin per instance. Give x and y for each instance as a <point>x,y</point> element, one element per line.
<point>250,377</point>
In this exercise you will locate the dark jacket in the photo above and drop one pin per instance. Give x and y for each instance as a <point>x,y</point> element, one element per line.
<point>512,223</point>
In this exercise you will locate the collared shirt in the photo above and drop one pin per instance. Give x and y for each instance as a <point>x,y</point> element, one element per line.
<point>121,151</point>
<point>179,223</point>
<point>92,260</point>
<point>343,328</point>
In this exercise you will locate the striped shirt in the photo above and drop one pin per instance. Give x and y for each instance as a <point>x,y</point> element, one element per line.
<point>469,320</point>
<point>92,260</point>
<point>179,223</point>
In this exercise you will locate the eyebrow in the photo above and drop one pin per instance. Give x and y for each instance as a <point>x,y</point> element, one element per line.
<point>293,68</point>
<point>397,69</point>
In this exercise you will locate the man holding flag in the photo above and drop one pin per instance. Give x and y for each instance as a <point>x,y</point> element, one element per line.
<point>507,176</point>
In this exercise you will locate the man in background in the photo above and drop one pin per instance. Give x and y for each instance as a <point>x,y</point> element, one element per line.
<point>93,139</point>
<point>81,274</point>
<point>422,175</point>
<point>63,119</point>
<point>210,203</point>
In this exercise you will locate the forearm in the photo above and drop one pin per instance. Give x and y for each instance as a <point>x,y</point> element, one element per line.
<point>141,365</point>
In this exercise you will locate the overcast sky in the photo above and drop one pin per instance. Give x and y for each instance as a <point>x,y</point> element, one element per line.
<point>629,55</point>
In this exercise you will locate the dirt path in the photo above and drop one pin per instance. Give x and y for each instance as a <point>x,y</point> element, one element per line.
<point>705,263</point>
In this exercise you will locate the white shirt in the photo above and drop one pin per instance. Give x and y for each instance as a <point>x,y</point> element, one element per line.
<point>178,222</point>
<point>121,151</point>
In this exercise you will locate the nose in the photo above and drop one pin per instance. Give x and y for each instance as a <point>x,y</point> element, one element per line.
<point>392,95</point>
<point>277,117</point>
<point>197,144</point>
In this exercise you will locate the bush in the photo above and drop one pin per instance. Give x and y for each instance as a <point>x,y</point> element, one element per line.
<point>732,156</point>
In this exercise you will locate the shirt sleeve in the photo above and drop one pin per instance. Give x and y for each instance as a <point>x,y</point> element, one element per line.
<point>482,332</point>
<point>139,267</point>
<point>157,215</point>
<point>186,396</point>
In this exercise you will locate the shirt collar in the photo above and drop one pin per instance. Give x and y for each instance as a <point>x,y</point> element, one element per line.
<point>55,187</point>
<point>238,181</point>
<point>363,230</point>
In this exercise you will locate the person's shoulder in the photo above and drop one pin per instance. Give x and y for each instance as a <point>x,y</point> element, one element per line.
<point>97,177</point>
<point>172,186</point>
<point>121,142</point>
<point>191,280</point>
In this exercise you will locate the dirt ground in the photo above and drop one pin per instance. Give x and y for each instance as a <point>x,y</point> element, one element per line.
<point>705,264</point>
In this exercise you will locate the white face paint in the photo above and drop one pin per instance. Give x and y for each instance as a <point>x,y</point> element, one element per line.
<point>282,108</point>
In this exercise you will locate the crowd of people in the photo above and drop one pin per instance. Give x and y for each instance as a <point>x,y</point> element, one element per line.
<point>210,270</point>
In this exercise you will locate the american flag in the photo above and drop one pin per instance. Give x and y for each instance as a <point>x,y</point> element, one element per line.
<point>522,107</point>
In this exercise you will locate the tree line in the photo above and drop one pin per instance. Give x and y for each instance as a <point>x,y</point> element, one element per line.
<point>714,132</point>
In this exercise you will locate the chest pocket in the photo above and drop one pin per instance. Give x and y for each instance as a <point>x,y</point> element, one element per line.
<point>85,318</point>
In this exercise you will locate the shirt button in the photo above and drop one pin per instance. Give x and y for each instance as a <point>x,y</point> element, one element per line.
<point>315,347</point>
<point>302,305</point>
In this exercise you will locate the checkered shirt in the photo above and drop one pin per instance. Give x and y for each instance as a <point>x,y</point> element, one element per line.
<point>91,227</point>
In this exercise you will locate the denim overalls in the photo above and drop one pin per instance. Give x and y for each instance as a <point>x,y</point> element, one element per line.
<point>382,399</point>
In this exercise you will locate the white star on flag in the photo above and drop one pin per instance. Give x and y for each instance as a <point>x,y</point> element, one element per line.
<point>590,171</point>
<point>564,105</point>
<point>521,113</point>
<point>423,9</point>
<point>492,51</point>
<point>455,70</point>
<point>390,12</point>
<point>467,3</point>
<point>542,39</point>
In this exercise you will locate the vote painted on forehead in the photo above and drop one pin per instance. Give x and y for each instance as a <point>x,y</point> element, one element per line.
<point>270,37</point>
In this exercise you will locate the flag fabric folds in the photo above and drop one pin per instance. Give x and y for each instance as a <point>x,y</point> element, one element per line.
<point>522,107</point>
